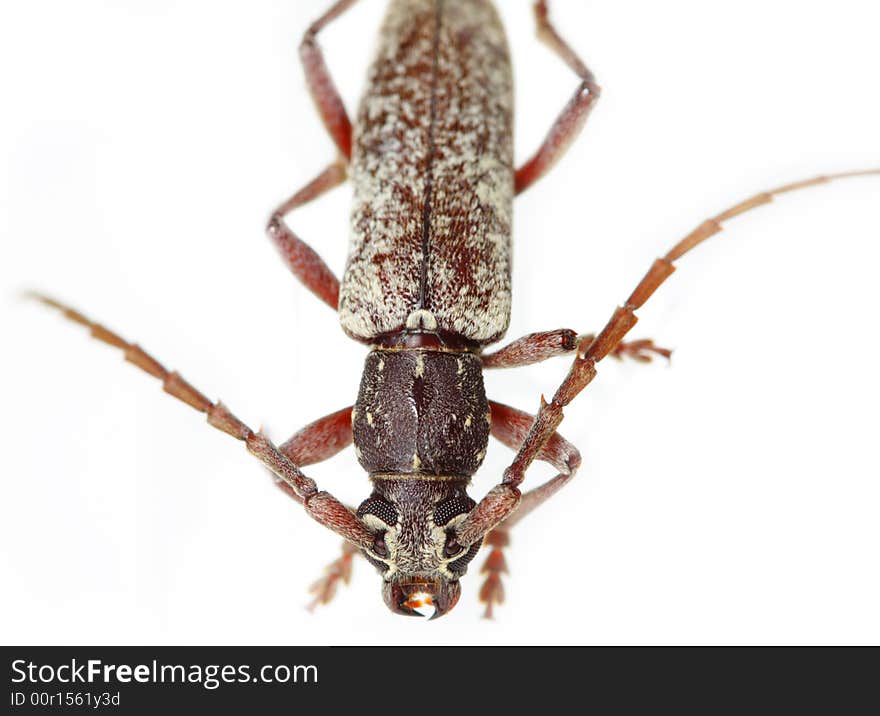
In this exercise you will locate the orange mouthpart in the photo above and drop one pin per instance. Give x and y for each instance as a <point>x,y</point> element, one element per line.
<point>415,601</point>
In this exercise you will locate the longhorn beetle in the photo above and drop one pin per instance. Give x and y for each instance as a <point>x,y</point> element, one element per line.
<point>427,287</point>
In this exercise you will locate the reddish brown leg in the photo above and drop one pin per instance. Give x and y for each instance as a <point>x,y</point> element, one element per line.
<point>315,443</point>
<point>504,498</point>
<point>571,120</point>
<point>321,439</point>
<point>339,571</point>
<point>321,85</point>
<point>537,347</point>
<point>642,350</point>
<point>301,258</point>
<point>511,427</point>
<point>322,506</point>
<point>305,263</point>
<point>533,348</point>
<point>492,590</point>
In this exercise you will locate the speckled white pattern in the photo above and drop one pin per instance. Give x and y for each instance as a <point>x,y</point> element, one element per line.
<point>467,153</point>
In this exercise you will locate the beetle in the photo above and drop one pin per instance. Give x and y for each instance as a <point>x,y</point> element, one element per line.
<point>427,288</point>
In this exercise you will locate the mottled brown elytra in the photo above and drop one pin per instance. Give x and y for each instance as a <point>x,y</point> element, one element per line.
<point>427,287</point>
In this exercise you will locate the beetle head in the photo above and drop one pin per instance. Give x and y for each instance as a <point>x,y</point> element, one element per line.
<point>414,521</point>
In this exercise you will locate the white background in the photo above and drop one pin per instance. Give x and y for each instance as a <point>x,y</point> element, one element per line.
<point>729,498</point>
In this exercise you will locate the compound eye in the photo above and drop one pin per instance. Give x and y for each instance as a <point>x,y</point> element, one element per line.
<point>451,508</point>
<point>379,546</point>
<point>460,560</point>
<point>452,547</point>
<point>377,507</point>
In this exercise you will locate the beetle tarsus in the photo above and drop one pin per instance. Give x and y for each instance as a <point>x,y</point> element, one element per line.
<point>492,591</point>
<point>643,350</point>
<point>337,571</point>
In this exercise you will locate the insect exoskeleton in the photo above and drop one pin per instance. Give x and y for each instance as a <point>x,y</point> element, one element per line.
<point>427,287</point>
<point>421,428</point>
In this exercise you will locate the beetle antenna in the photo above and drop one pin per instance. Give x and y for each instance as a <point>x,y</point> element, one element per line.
<point>321,505</point>
<point>504,499</point>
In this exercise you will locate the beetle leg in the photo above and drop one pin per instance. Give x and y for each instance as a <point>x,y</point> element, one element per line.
<point>571,120</point>
<point>642,350</point>
<point>316,442</point>
<point>321,86</point>
<point>511,427</point>
<point>492,589</point>
<point>533,348</point>
<point>503,499</point>
<point>339,571</point>
<point>301,258</point>
<point>305,263</point>
<point>537,347</point>
<point>322,506</point>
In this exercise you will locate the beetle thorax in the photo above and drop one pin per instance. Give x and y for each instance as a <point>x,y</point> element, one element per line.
<point>421,413</point>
